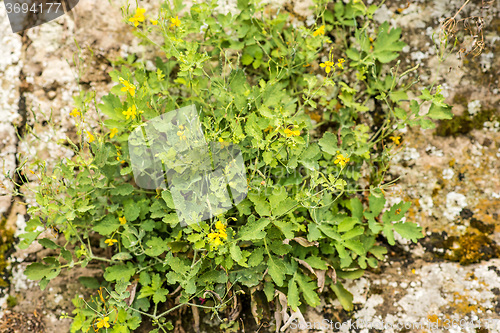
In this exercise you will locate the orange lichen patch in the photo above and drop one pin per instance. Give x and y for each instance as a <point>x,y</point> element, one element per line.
<point>472,247</point>
<point>485,211</point>
<point>465,304</point>
<point>433,318</point>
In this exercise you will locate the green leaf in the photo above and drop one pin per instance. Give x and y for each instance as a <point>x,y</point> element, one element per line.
<point>155,247</point>
<point>378,252</point>
<point>107,226</point>
<point>131,210</point>
<point>237,255</point>
<point>256,257</point>
<point>356,209</point>
<point>286,227</point>
<point>246,59</point>
<point>122,256</point>
<point>376,204</point>
<point>440,111</point>
<point>124,189</point>
<point>328,143</point>
<point>47,243</point>
<point>316,263</point>
<point>37,271</point>
<point>293,295</point>
<point>347,224</point>
<point>388,43</point>
<point>277,270</point>
<point>308,289</point>
<point>351,275</point>
<point>262,207</point>
<point>329,231</point>
<point>119,272</point>
<point>111,107</point>
<point>284,207</point>
<point>409,230</point>
<point>353,233</point>
<point>426,123</point>
<point>213,277</point>
<point>355,246</point>
<point>345,298</point>
<point>167,196</point>
<point>254,230</point>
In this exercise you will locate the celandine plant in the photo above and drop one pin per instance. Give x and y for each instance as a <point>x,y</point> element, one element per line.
<point>294,101</point>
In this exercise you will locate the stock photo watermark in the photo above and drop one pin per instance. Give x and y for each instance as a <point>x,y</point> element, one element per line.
<point>204,179</point>
<point>380,325</point>
<point>26,14</point>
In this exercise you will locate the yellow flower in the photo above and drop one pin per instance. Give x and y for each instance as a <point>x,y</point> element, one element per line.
<point>180,133</point>
<point>212,236</point>
<point>175,22</point>
<point>122,220</point>
<point>340,159</point>
<point>138,17</point>
<point>223,143</point>
<point>154,22</point>
<point>327,65</point>
<point>181,127</point>
<point>395,139</point>
<point>103,323</point>
<point>113,132</point>
<point>217,242</point>
<point>110,241</point>
<point>319,31</point>
<point>75,113</point>
<point>131,112</point>
<point>127,86</point>
<point>289,132</point>
<point>340,62</point>
<point>220,226</point>
<point>91,137</point>
<point>223,234</point>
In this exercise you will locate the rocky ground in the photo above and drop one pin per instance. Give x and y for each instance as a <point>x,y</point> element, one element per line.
<point>451,173</point>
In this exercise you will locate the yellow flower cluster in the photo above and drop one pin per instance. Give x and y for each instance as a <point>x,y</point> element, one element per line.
<point>319,31</point>
<point>91,137</point>
<point>75,113</point>
<point>110,241</point>
<point>215,237</point>
<point>131,112</point>
<point>395,139</point>
<point>138,17</point>
<point>104,322</point>
<point>113,132</point>
<point>289,132</point>
<point>340,159</point>
<point>223,143</point>
<point>118,157</point>
<point>175,22</point>
<point>180,133</point>
<point>329,65</point>
<point>128,86</point>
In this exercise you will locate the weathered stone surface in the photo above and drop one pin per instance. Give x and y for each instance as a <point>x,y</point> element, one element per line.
<point>452,180</point>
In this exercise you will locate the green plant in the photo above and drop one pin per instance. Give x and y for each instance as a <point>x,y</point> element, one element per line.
<point>306,224</point>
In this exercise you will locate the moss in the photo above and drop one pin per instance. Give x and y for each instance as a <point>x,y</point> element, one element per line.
<point>6,241</point>
<point>11,301</point>
<point>472,247</point>
<point>461,125</point>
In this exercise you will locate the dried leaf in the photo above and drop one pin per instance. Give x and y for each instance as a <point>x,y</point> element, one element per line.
<point>302,241</point>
